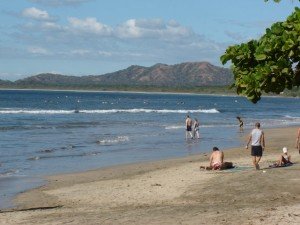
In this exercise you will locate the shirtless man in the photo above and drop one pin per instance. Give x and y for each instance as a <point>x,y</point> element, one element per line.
<point>188,124</point>
<point>257,139</point>
<point>216,161</point>
<point>298,141</point>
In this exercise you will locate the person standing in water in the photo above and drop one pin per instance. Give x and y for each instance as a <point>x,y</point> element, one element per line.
<point>188,124</point>
<point>241,123</point>
<point>257,139</point>
<point>196,128</point>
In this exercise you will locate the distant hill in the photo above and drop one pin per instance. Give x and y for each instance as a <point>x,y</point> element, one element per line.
<point>193,74</point>
<point>184,74</point>
<point>5,82</point>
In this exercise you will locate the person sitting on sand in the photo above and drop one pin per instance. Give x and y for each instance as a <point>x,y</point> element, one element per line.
<point>217,161</point>
<point>285,158</point>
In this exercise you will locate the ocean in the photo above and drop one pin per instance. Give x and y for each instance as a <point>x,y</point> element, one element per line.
<point>50,132</point>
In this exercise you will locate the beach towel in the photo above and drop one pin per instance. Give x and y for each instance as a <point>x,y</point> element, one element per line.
<point>275,165</point>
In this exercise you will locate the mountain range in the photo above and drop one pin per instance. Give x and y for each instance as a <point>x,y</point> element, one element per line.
<point>189,74</point>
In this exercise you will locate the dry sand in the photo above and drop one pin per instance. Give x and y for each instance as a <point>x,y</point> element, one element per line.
<point>172,192</point>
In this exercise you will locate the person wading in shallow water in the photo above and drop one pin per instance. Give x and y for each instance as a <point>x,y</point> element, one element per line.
<point>241,123</point>
<point>257,139</point>
<point>196,129</point>
<point>188,124</point>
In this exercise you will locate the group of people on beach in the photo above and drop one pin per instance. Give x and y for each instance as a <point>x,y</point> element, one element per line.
<point>257,140</point>
<point>192,128</point>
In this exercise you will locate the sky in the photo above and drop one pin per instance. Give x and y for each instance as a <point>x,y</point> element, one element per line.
<point>94,37</point>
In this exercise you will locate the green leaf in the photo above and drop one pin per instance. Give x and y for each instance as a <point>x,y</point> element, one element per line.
<point>285,70</point>
<point>224,59</point>
<point>260,57</point>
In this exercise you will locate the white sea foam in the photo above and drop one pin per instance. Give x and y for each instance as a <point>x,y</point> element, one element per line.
<point>150,111</point>
<point>107,111</point>
<point>174,127</point>
<point>114,140</point>
<point>291,117</point>
<point>9,173</point>
<point>29,111</point>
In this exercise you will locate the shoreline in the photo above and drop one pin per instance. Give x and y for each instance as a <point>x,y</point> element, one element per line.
<point>44,179</point>
<point>171,191</point>
<point>102,91</point>
<point>140,92</point>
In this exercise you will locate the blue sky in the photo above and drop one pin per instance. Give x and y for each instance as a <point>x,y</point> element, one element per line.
<point>93,37</point>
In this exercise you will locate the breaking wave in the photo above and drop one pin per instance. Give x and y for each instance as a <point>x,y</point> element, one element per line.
<point>114,140</point>
<point>107,111</point>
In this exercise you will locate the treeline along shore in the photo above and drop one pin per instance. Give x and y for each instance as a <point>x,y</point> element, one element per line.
<point>220,90</point>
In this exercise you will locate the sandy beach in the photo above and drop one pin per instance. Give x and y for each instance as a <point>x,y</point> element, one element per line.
<point>171,192</point>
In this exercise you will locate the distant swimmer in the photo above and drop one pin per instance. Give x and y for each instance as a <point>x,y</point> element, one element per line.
<point>76,111</point>
<point>241,123</point>
<point>216,161</point>
<point>188,124</point>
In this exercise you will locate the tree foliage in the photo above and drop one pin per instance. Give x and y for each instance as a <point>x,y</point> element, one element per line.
<point>269,64</point>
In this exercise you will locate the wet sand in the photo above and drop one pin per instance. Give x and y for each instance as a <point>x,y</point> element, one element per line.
<point>172,192</point>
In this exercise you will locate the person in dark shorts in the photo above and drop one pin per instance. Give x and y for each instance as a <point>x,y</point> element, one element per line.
<point>257,139</point>
<point>188,124</point>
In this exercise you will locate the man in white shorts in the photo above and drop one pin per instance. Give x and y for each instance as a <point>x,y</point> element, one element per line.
<point>257,139</point>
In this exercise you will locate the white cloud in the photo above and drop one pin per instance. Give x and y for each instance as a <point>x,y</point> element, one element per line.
<point>80,52</point>
<point>89,25</point>
<point>129,30</point>
<point>135,40</point>
<point>38,51</point>
<point>36,14</point>
<point>142,29</point>
<point>151,28</point>
<point>56,3</point>
<point>51,26</point>
<point>105,53</point>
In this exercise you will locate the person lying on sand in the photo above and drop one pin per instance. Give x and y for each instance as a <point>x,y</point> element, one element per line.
<point>217,161</point>
<point>284,159</point>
